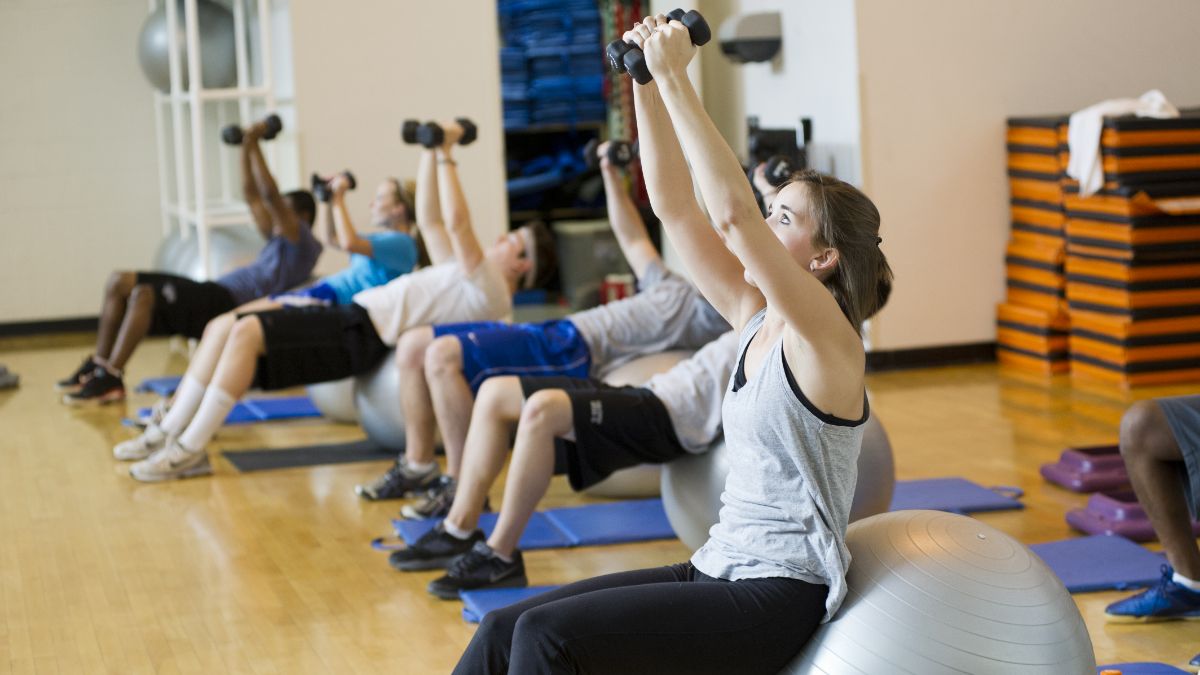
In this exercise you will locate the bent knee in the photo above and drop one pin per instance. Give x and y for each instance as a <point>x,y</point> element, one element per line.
<point>142,294</point>
<point>410,349</point>
<point>246,332</point>
<point>444,356</point>
<point>500,396</point>
<point>547,408</point>
<point>1142,427</point>
<point>120,283</point>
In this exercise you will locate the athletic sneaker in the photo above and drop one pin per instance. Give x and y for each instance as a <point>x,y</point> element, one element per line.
<point>1165,601</point>
<point>100,388</point>
<point>76,380</point>
<point>170,462</point>
<point>479,568</point>
<point>433,551</point>
<point>399,481</point>
<point>157,413</point>
<point>147,443</point>
<point>436,501</point>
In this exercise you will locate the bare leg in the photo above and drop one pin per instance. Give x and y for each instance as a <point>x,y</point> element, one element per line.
<point>419,422</point>
<point>546,416</point>
<point>235,369</point>
<point>1155,462</point>
<point>138,311</point>
<point>216,333</point>
<point>112,313</point>
<point>497,409</point>
<point>451,396</point>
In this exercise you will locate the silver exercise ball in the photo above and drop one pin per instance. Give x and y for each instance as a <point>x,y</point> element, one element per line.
<point>218,65</point>
<point>335,399</point>
<point>642,481</point>
<point>377,397</point>
<point>692,486</point>
<point>933,592</point>
<point>229,247</point>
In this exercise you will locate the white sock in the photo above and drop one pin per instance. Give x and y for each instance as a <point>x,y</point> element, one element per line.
<point>454,531</point>
<point>103,363</point>
<point>505,558</point>
<point>1190,584</point>
<point>153,433</point>
<point>420,467</point>
<point>212,413</point>
<point>183,406</point>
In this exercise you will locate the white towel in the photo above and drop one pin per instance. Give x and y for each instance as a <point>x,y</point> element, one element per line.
<point>1083,136</point>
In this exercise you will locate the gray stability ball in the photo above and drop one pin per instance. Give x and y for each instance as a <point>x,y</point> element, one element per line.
<point>377,397</point>
<point>218,60</point>
<point>934,593</point>
<point>229,247</point>
<point>692,486</point>
<point>335,399</point>
<point>642,481</point>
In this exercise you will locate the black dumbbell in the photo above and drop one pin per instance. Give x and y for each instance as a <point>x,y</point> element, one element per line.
<point>431,134</point>
<point>778,170</point>
<point>628,57</point>
<point>408,131</point>
<point>321,190</point>
<point>620,153</point>
<point>232,134</point>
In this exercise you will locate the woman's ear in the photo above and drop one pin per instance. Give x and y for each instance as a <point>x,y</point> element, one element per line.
<point>824,263</point>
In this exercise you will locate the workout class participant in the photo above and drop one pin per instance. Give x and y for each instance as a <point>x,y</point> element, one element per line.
<point>797,287</point>
<point>303,345</point>
<point>137,304</point>
<point>442,365</point>
<point>1160,443</point>
<point>599,429</point>
<point>376,258</point>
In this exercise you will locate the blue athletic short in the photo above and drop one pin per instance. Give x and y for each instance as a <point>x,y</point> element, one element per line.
<point>1183,415</point>
<point>491,348</point>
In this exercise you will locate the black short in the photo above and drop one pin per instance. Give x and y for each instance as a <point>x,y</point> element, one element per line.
<point>306,345</point>
<point>183,306</point>
<point>615,428</point>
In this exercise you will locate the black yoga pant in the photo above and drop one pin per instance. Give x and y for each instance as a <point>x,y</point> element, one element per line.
<point>662,620</point>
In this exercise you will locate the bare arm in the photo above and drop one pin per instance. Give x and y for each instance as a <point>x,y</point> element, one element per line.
<point>627,223</point>
<point>714,270</point>
<point>323,225</point>
<point>258,210</point>
<point>283,220</point>
<point>347,236</point>
<point>429,210</point>
<point>458,217</point>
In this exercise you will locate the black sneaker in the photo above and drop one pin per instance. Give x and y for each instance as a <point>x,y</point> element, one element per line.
<point>102,387</point>
<point>76,380</point>
<point>399,481</point>
<point>436,501</point>
<point>479,568</point>
<point>433,551</point>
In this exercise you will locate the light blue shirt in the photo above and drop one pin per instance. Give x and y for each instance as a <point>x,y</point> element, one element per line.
<point>392,254</point>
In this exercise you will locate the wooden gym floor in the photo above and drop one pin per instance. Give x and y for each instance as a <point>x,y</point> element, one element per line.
<point>271,572</point>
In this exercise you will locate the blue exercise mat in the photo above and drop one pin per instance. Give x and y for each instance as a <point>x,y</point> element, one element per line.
<point>956,495</point>
<point>259,410</point>
<point>591,525</point>
<point>613,523</point>
<point>539,533</point>
<point>163,386</point>
<point>476,604</point>
<point>1101,563</point>
<point>1138,668</point>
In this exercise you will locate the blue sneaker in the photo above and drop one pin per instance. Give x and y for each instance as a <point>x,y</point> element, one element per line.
<point>1165,601</point>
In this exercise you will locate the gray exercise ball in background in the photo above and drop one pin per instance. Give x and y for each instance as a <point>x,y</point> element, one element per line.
<point>692,486</point>
<point>377,397</point>
<point>229,247</point>
<point>642,481</point>
<point>933,592</point>
<point>218,59</point>
<point>335,399</point>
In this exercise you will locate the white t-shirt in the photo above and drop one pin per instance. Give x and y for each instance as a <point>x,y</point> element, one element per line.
<point>692,392</point>
<point>435,295</point>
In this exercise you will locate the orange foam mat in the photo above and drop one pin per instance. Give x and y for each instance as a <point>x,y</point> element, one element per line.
<point>1035,189</point>
<point>1046,300</point>
<point>1032,319</point>
<point>1091,294</point>
<point>1086,368</point>
<point>1034,162</point>
<point>1037,235</point>
<point>1055,347</point>
<point>1123,251</point>
<point>1032,363</point>
<point>1135,231</point>
<point>1036,278</point>
<point>1043,214</point>
<point>1085,269</point>
<point>1145,331</point>
<point>1124,355</point>
<point>1034,253</point>
<point>1136,199</point>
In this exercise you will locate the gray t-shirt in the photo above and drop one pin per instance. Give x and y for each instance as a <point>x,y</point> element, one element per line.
<point>792,471</point>
<point>692,392</point>
<point>667,313</point>
<point>280,265</point>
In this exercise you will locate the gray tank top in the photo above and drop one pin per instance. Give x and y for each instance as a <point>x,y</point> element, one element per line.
<point>792,471</point>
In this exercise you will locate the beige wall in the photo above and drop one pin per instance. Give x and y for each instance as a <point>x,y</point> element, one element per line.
<point>362,67</point>
<point>938,78</point>
<point>78,176</point>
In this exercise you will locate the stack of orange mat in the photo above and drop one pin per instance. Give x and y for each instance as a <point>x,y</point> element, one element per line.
<point>1032,321</point>
<point>1133,256</point>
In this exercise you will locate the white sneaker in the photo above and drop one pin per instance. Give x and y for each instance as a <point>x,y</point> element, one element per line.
<point>157,412</point>
<point>150,441</point>
<point>170,462</point>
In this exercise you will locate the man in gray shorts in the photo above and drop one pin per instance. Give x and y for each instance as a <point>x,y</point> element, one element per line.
<point>1160,441</point>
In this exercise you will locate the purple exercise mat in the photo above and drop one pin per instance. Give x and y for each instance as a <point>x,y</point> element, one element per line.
<point>1088,469</point>
<point>1116,513</point>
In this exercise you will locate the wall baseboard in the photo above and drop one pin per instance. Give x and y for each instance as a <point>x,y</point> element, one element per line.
<point>81,324</point>
<point>927,357</point>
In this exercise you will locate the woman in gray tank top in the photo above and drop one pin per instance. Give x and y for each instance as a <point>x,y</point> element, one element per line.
<point>798,287</point>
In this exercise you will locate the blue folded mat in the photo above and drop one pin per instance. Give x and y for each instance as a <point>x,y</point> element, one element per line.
<point>956,495</point>
<point>1138,668</point>
<point>259,410</point>
<point>591,525</point>
<point>476,604</point>
<point>1100,563</point>
<point>163,386</point>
